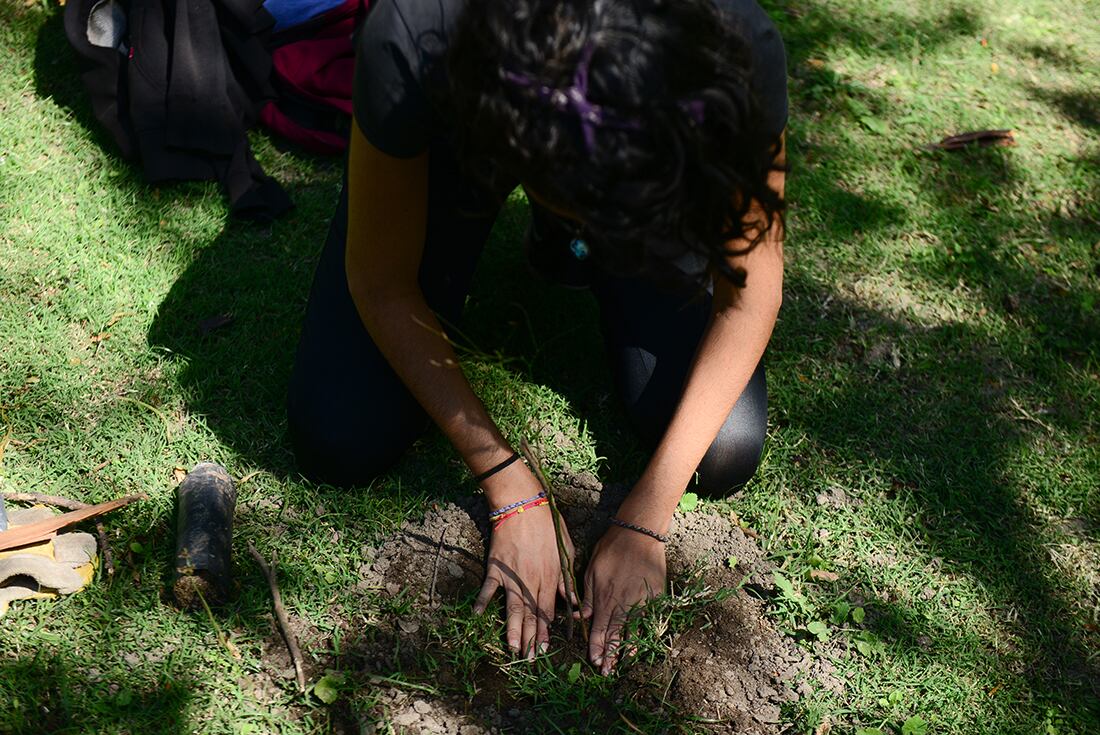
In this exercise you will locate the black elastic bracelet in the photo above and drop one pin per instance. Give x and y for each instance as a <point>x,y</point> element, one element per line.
<point>640,529</point>
<point>490,472</point>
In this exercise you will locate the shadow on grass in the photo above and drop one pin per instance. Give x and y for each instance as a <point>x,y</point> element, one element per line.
<point>952,421</point>
<point>945,429</point>
<point>45,694</point>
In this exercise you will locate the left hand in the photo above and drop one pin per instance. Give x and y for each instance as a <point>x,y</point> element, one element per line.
<point>627,569</point>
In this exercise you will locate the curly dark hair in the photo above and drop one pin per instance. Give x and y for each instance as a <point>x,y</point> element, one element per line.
<point>673,172</point>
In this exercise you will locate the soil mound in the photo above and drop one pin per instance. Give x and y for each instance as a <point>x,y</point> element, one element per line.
<point>731,669</point>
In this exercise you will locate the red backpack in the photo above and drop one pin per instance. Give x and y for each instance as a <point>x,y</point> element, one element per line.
<point>313,70</point>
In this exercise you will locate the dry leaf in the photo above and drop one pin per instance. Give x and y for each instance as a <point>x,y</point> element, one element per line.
<point>179,474</point>
<point>982,138</point>
<point>206,326</point>
<point>821,575</point>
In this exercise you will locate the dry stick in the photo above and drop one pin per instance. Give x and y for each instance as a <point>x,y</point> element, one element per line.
<point>280,617</point>
<point>563,555</point>
<point>48,528</point>
<point>435,568</point>
<point>1026,416</point>
<point>55,500</point>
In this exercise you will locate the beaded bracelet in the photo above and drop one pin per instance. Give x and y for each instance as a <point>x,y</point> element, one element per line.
<point>493,470</point>
<point>501,511</point>
<point>640,529</point>
<point>499,521</point>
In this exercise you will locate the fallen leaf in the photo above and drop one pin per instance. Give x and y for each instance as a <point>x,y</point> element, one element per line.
<point>117,317</point>
<point>101,337</point>
<point>821,575</point>
<point>179,474</point>
<point>208,325</point>
<point>981,138</point>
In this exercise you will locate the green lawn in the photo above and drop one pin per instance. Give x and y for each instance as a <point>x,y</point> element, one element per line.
<point>935,385</point>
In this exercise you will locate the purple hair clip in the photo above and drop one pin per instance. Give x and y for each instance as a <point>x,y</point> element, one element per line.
<point>590,115</point>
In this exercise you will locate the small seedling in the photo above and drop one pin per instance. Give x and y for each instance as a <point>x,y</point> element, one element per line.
<point>688,502</point>
<point>868,644</point>
<point>915,725</point>
<point>840,612</point>
<point>789,594</point>
<point>327,688</point>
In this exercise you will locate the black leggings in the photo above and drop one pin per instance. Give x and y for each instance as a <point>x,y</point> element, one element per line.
<point>351,417</point>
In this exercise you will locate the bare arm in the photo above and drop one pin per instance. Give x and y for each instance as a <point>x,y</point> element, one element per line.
<point>628,567</point>
<point>387,212</point>
<point>739,330</point>
<point>387,215</point>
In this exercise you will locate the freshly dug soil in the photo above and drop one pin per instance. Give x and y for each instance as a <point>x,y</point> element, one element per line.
<point>731,668</point>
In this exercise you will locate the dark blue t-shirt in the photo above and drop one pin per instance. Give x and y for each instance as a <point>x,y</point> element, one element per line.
<point>401,41</point>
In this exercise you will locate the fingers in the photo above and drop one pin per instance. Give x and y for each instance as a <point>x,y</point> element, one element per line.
<point>597,637</point>
<point>589,591</point>
<point>488,589</point>
<point>514,615</point>
<point>613,640</point>
<point>547,600</point>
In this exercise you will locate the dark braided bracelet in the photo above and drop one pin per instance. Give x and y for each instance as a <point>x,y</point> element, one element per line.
<point>640,529</point>
<point>493,470</point>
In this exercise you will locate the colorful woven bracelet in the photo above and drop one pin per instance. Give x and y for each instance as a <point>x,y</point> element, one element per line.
<point>493,515</point>
<point>522,509</point>
<point>493,470</point>
<point>640,529</point>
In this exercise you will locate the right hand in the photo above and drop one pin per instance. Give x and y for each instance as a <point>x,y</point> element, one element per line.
<point>524,560</point>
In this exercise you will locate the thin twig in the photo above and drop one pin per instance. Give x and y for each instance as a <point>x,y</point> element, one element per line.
<point>435,568</point>
<point>280,616</point>
<point>379,679</point>
<point>222,640</point>
<point>630,724</point>
<point>54,500</point>
<point>247,477</point>
<point>1026,416</point>
<point>563,555</point>
<point>67,504</point>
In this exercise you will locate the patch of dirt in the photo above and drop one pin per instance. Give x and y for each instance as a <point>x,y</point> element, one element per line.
<point>731,668</point>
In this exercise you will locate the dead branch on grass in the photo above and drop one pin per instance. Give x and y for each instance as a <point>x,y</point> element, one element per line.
<point>280,616</point>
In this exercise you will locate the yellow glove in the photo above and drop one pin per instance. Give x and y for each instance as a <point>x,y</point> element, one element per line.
<point>61,566</point>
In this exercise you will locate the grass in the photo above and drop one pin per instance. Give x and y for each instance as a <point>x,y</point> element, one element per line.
<point>934,378</point>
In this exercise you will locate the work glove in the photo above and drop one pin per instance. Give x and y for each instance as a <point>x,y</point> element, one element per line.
<point>61,566</point>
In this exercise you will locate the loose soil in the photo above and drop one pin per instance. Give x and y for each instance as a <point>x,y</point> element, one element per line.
<point>731,668</point>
